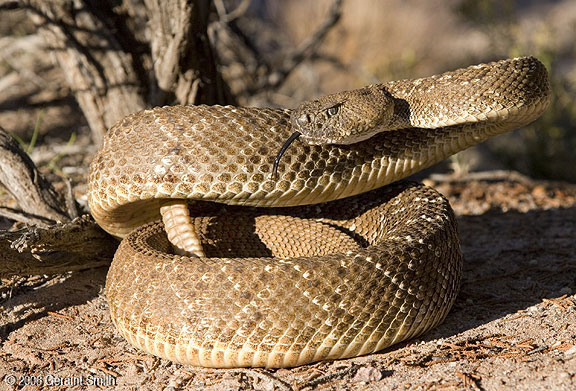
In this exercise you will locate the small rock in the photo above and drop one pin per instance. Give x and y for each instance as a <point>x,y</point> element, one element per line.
<point>533,310</point>
<point>367,374</point>
<point>565,375</point>
<point>571,353</point>
<point>539,191</point>
<point>428,182</point>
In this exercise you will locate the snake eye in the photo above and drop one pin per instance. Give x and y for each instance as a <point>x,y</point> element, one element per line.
<point>332,111</point>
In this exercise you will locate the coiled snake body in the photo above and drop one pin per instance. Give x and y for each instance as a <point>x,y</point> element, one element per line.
<point>304,279</point>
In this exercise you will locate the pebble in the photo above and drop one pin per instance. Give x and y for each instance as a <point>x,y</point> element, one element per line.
<point>557,343</point>
<point>565,375</point>
<point>367,375</point>
<point>539,191</point>
<point>534,310</point>
<point>570,353</point>
<point>428,182</point>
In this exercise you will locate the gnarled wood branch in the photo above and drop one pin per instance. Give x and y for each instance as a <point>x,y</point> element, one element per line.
<point>34,193</point>
<point>59,241</point>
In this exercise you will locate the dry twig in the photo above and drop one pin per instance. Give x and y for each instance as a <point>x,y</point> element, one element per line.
<point>305,50</point>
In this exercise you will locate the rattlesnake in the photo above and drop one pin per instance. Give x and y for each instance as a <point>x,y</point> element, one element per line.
<point>288,285</point>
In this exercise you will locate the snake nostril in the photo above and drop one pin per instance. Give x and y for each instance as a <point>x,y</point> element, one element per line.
<point>304,119</point>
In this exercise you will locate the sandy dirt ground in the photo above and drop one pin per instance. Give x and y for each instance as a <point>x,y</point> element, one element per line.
<point>513,326</point>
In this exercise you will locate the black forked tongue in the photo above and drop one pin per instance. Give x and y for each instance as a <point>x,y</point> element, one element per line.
<point>285,146</point>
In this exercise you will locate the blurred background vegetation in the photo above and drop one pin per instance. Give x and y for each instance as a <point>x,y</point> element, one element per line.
<point>373,41</point>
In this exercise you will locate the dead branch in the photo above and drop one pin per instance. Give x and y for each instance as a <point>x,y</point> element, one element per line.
<point>77,245</point>
<point>59,241</point>
<point>183,61</point>
<point>227,17</point>
<point>250,72</point>
<point>34,194</point>
<point>304,51</point>
<point>98,69</point>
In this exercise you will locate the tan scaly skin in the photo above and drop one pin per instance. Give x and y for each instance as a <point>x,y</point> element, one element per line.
<point>308,274</point>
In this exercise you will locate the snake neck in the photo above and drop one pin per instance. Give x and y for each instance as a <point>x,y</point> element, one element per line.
<point>483,93</point>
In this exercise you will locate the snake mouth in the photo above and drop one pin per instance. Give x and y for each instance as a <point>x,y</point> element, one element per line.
<point>342,140</point>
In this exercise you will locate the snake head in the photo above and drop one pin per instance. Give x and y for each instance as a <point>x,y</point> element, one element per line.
<point>346,117</point>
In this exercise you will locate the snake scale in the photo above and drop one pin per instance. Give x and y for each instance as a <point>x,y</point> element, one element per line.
<point>318,261</point>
